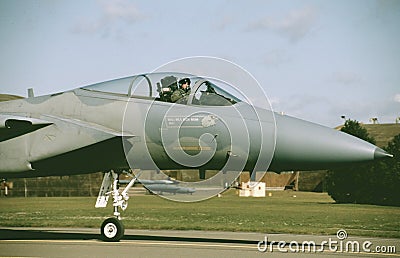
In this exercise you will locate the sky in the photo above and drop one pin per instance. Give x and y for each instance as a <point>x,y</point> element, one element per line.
<point>315,60</point>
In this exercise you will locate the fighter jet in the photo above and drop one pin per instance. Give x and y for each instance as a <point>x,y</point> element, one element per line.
<point>133,123</point>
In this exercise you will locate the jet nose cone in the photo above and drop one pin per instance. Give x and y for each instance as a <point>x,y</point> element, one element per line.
<point>379,153</point>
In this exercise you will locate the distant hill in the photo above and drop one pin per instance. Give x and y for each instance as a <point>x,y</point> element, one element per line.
<point>382,133</point>
<point>6,97</point>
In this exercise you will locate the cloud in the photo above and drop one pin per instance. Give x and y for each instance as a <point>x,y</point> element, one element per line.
<point>294,26</point>
<point>224,22</point>
<point>112,14</point>
<point>121,10</point>
<point>300,104</point>
<point>397,98</point>
<point>85,26</point>
<point>327,111</point>
<point>275,58</point>
<point>386,111</point>
<point>274,101</point>
<point>346,78</point>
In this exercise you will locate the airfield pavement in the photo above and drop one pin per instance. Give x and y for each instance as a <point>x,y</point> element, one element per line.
<point>84,242</point>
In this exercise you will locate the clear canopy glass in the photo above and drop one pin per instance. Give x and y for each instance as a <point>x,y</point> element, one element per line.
<point>162,86</point>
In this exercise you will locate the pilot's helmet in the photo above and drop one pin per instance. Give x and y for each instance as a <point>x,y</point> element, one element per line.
<point>184,81</point>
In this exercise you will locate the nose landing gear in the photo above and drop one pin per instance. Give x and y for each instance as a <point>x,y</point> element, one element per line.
<point>112,229</point>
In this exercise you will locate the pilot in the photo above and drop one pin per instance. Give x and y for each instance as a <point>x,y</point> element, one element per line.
<point>182,91</point>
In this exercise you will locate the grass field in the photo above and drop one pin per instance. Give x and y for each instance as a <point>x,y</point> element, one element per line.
<point>306,213</point>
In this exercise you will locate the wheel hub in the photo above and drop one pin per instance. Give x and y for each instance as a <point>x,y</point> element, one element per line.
<point>110,230</point>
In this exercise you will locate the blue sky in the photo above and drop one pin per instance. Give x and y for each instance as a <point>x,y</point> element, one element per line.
<point>316,60</point>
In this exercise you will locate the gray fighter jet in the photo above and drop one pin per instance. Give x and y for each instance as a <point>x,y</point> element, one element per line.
<point>131,124</point>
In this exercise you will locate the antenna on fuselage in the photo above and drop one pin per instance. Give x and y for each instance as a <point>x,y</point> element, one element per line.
<point>30,93</point>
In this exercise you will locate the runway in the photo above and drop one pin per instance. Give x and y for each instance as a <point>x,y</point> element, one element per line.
<point>84,242</point>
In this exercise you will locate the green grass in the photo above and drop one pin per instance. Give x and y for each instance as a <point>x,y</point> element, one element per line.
<point>307,213</point>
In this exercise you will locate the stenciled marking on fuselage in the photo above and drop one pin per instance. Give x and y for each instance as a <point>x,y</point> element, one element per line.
<point>192,148</point>
<point>184,122</point>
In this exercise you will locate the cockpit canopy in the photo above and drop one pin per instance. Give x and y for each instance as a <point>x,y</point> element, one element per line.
<point>165,86</point>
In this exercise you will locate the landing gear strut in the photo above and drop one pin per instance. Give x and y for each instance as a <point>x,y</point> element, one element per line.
<point>112,229</point>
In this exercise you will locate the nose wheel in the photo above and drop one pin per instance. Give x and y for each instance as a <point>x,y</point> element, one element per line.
<point>112,230</point>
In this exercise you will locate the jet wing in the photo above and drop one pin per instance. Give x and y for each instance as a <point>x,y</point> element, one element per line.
<point>88,125</point>
<point>58,135</point>
<point>68,134</point>
<point>12,126</point>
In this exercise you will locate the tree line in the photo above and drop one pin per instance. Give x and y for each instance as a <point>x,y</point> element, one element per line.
<point>370,183</point>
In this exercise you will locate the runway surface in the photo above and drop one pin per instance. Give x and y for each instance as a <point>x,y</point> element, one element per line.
<point>84,242</point>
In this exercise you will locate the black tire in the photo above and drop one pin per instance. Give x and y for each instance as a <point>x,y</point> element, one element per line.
<point>112,230</point>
